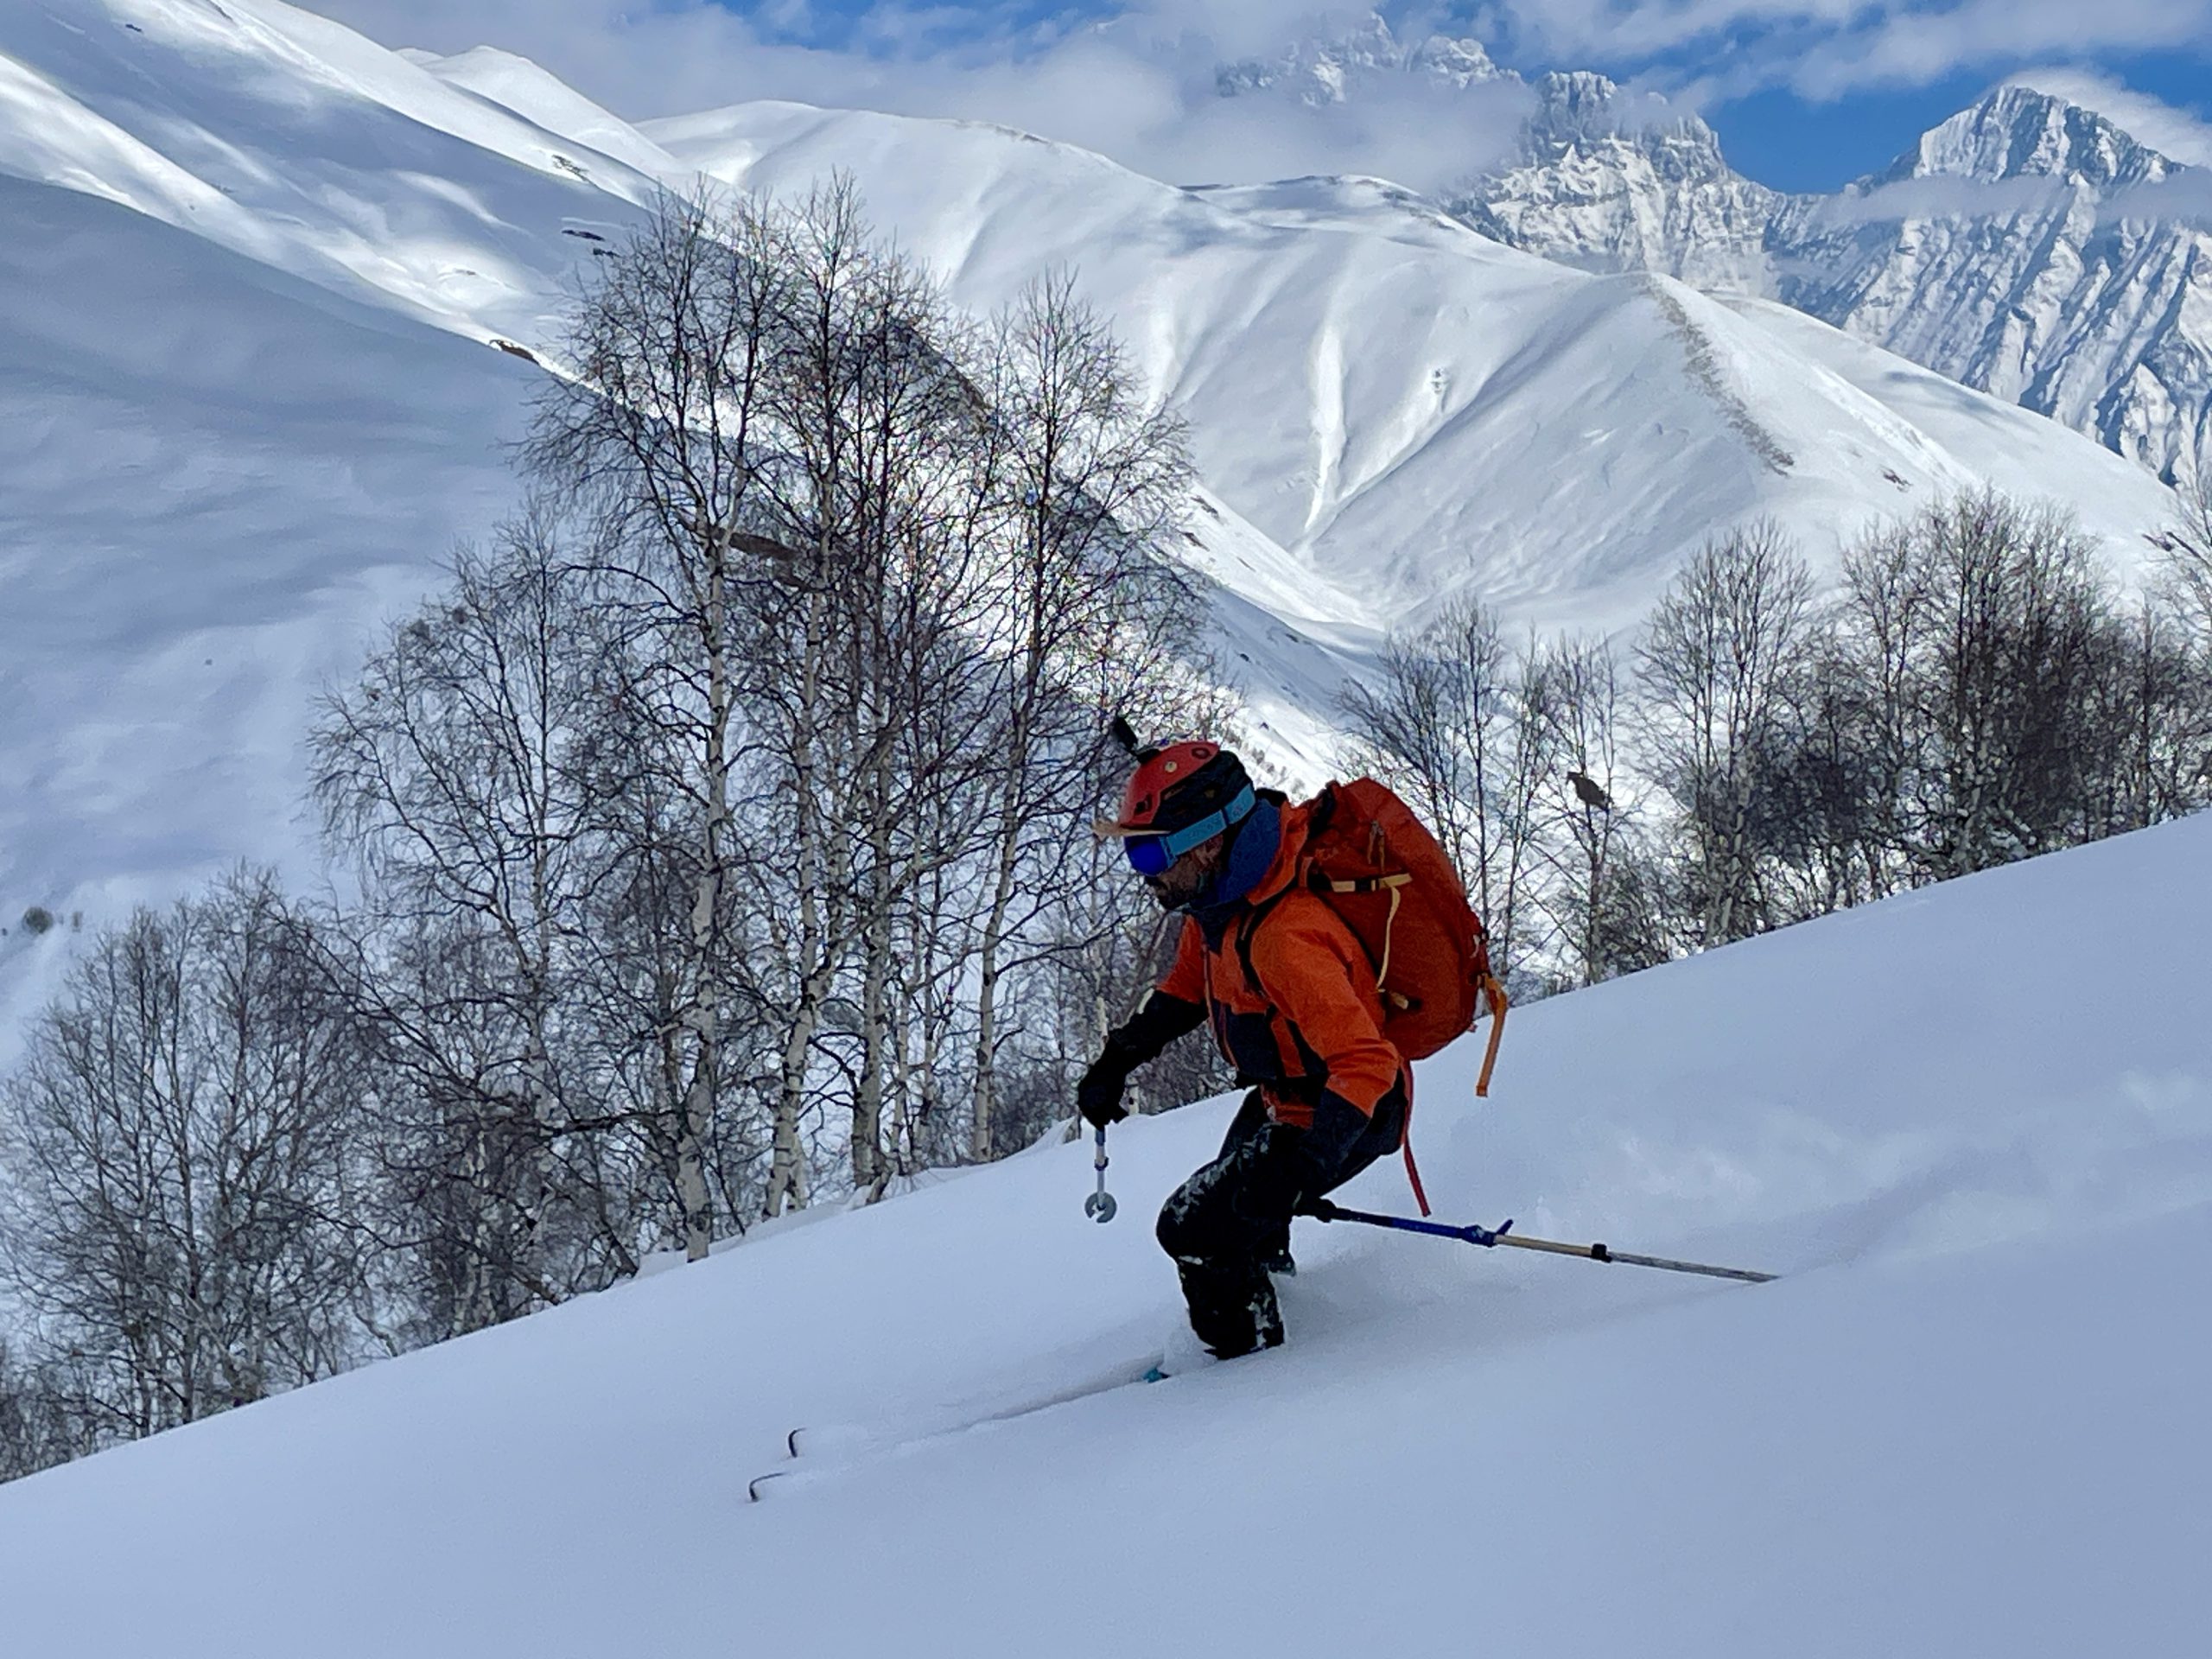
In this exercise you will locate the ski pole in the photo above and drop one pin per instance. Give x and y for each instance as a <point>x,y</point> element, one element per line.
<point>1322,1210</point>
<point>1099,1206</point>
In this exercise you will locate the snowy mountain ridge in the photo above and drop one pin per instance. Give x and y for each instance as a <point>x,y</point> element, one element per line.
<point>2027,247</point>
<point>1319,70</point>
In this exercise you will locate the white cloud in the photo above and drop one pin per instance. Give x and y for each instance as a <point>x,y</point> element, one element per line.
<point>1942,196</point>
<point>2184,197</point>
<point>1593,31</point>
<point>1916,45</point>
<point>1827,48</point>
<point>1140,89</point>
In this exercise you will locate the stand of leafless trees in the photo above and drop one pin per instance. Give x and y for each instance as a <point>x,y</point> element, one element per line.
<point>715,844</point>
<point>184,1147</point>
<point>1977,691</point>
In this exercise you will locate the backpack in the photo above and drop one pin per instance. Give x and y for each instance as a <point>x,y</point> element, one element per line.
<point>1383,873</point>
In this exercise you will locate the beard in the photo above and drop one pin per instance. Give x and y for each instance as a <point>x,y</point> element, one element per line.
<point>1180,886</point>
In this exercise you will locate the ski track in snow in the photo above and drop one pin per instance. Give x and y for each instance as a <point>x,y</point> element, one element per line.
<point>819,1454</point>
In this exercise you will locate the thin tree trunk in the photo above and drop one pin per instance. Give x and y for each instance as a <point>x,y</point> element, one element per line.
<point>868,1096</point>
<point>980,1143</point>
<point>702,1018</point>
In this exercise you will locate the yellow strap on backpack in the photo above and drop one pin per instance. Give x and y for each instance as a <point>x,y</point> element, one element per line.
<point>1493,994</point>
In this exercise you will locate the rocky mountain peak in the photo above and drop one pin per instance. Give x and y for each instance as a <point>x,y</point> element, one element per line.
<point>1986,252</point>
<point>1611,180</point>
<point>1321,72</point>
<point>2017,132</point>
<point>1589,115</point>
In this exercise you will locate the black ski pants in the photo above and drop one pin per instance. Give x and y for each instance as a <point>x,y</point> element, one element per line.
<point>1225,1224</point>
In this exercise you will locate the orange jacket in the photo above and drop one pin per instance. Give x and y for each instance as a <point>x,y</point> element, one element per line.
<point>1289,992</point>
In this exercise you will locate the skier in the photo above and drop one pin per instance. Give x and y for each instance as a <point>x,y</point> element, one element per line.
<point>1294,1004</point>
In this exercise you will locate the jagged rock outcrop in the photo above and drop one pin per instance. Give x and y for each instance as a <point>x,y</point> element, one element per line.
<point>1610,182</point>
<point>1327,71</point>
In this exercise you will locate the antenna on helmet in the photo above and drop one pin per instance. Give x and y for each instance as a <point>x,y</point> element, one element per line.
<point>1125,735</point>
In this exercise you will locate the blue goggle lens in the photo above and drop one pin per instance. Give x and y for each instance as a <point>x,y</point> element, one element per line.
<point>1148,855</point>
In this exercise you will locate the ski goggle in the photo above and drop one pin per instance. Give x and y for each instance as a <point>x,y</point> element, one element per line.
<point>1151,855</point>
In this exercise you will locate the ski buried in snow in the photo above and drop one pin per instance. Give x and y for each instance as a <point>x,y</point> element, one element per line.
<point>814,1453</point>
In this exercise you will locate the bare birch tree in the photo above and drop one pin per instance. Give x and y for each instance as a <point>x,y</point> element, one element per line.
<point>2147,721</point>
<point>1431,727</point>
<point>1603,913</point>
<point>1464,729</point>
<point>1086,610</point>
<point>182,1139</point>
<point>450,773</point>
<point>2186,546</point>
<point>1986,616</point>
<point>1723,665</point>
<point>664,432</point>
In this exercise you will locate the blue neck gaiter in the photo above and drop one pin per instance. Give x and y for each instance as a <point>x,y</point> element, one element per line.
<point>1251,850</point>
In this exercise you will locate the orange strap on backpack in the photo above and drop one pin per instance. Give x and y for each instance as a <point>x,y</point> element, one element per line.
<point>1413,1170</point>
<point>1493,996</point>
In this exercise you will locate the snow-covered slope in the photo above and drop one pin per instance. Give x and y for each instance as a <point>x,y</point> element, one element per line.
<point>256,265</point>
<point>212,475</point>
<point>517,84</point>
<point>282,136</point>
<point>1407,407</point>
<point>1972,1128</point>
<point>244,408</point>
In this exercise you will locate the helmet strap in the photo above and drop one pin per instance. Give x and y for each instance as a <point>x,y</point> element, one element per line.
<point>1181,841</point>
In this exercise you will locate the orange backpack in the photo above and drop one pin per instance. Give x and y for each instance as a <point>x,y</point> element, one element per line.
<point>1384,874</point>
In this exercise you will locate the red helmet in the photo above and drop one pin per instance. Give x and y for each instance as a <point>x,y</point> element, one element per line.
<point>1180,788</point>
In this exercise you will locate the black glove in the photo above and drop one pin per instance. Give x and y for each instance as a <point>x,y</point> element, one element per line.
<point>1158,1022</point>
<point>1099,1096</point>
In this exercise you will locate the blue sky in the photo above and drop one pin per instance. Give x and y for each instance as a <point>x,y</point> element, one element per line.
<point>1805,94</point>
<point>1784,138</point>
